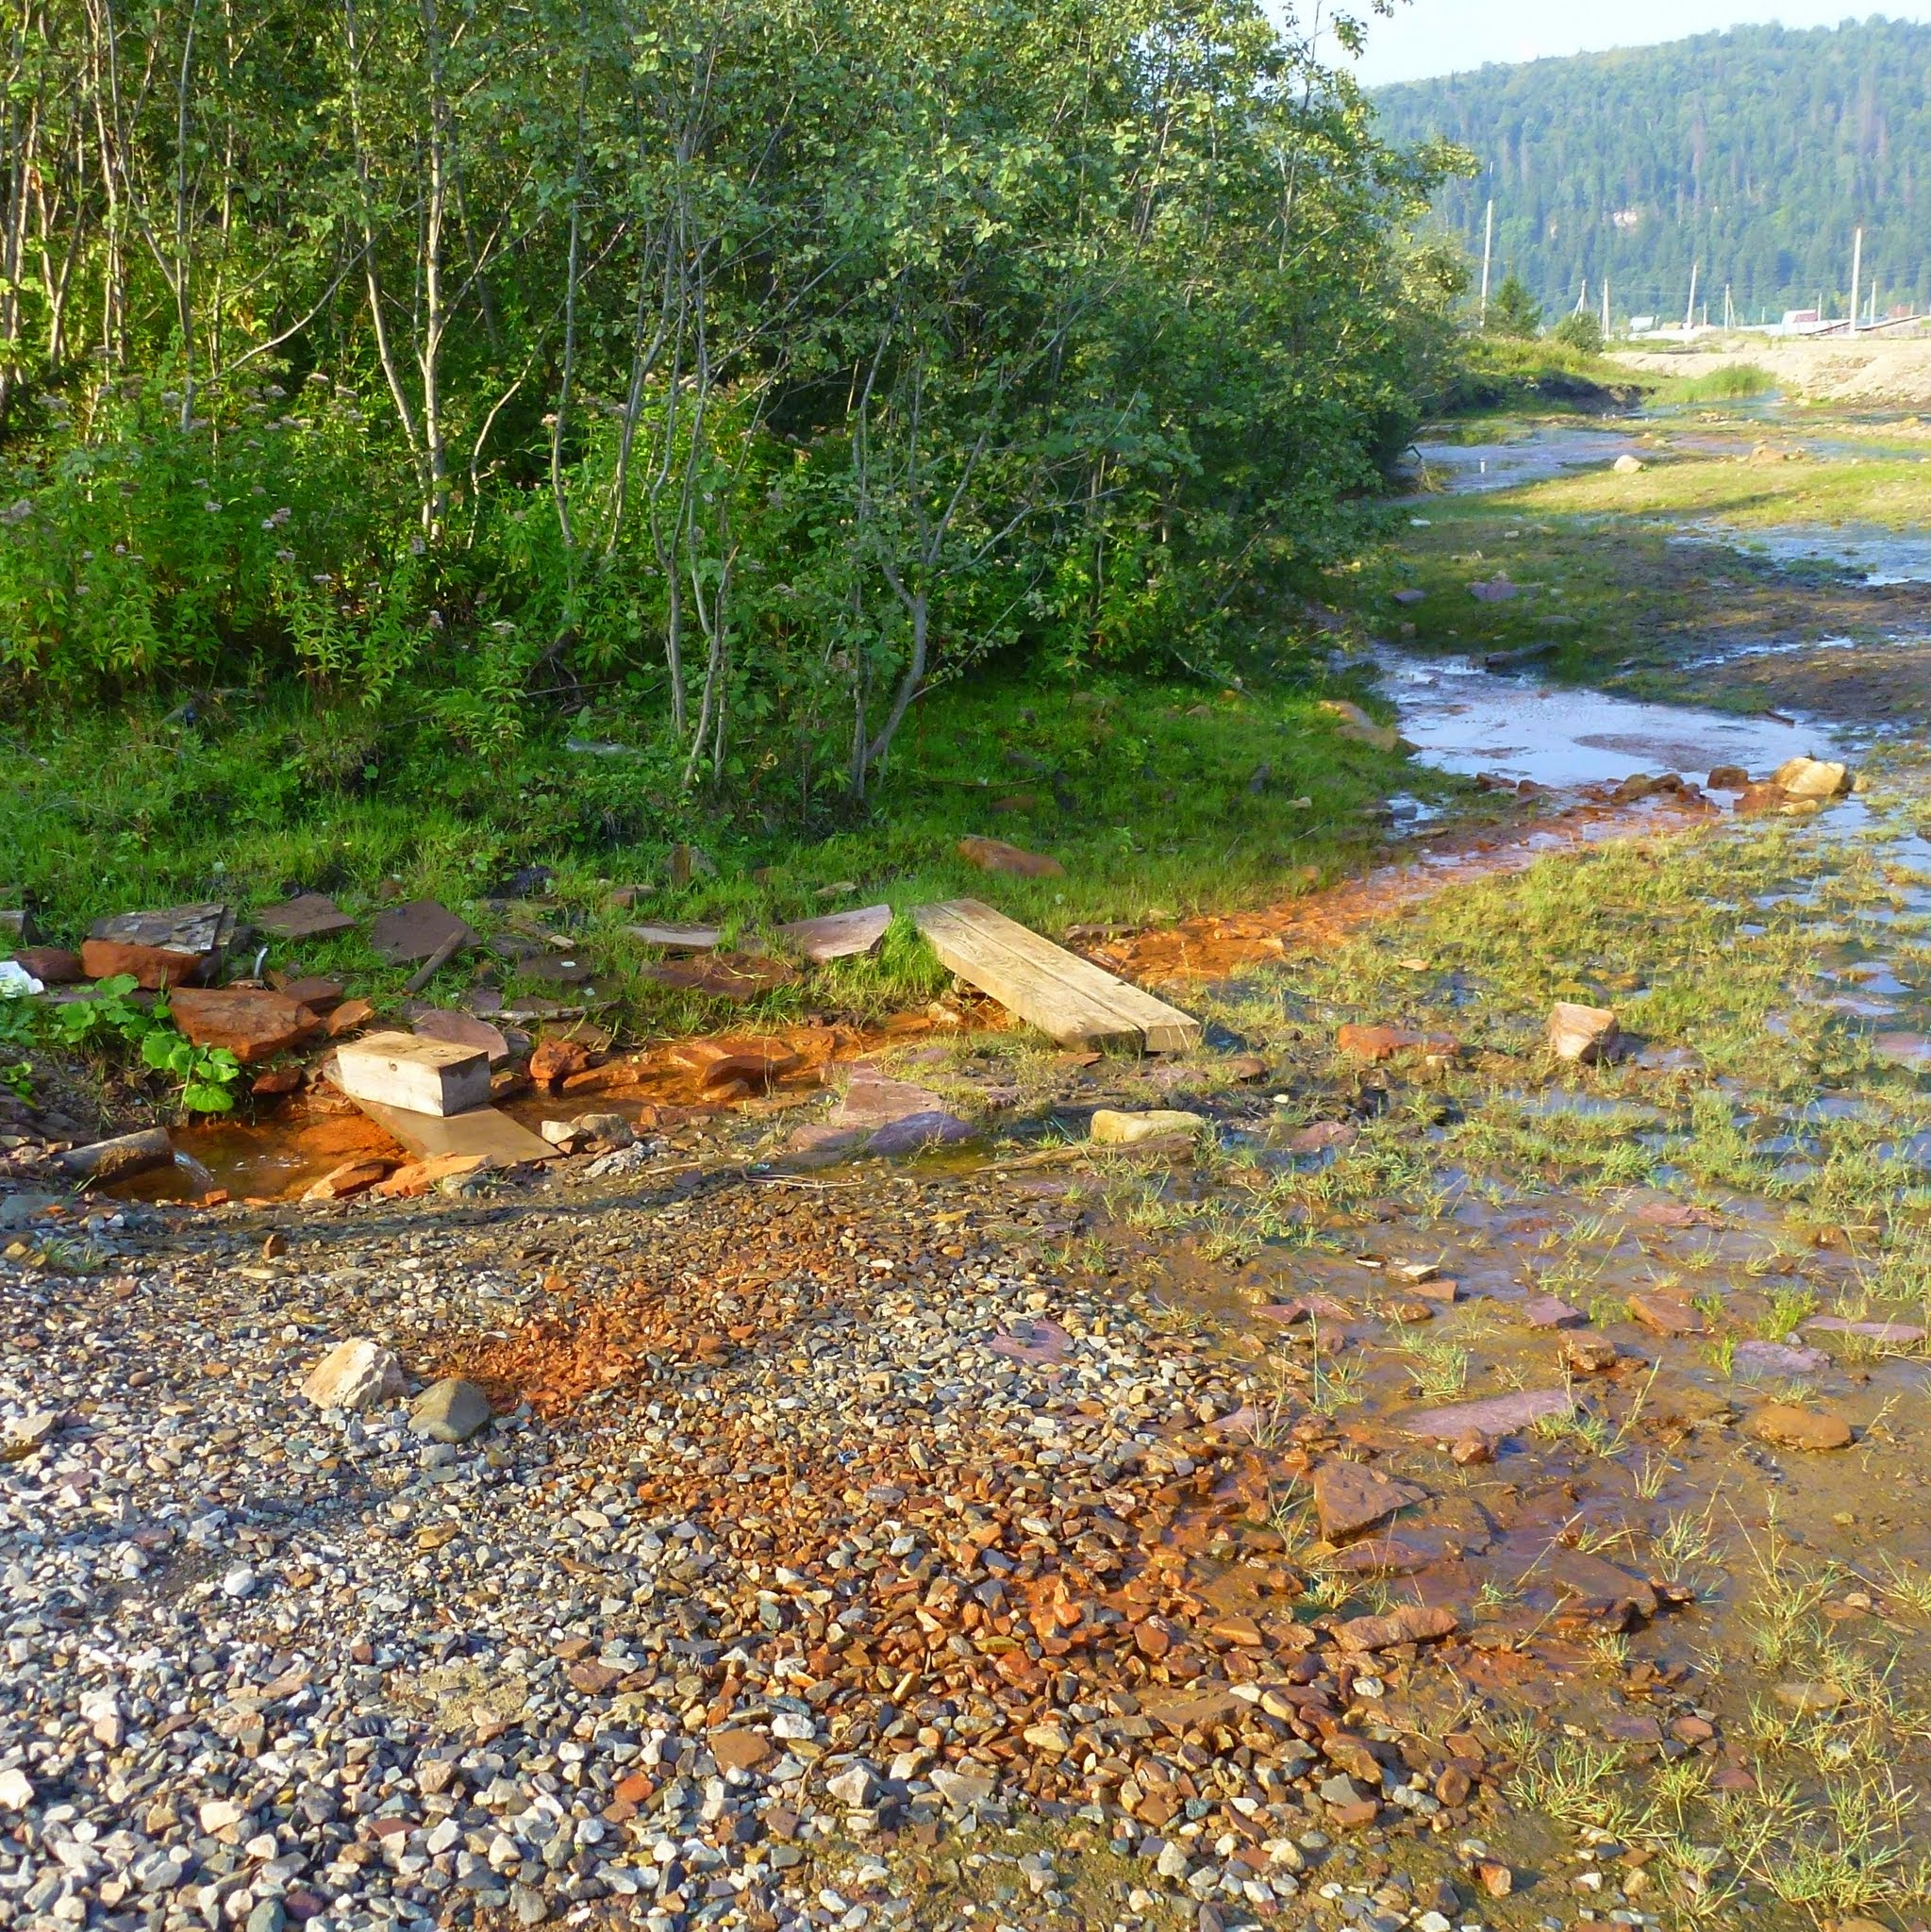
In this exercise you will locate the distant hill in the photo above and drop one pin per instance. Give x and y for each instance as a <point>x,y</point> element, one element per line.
<point>1755,153</point>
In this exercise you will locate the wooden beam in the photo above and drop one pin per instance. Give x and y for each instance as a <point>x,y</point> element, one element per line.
<point>1066,997</point>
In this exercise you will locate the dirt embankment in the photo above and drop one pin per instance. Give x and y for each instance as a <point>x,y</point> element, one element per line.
<point>1868,369</point>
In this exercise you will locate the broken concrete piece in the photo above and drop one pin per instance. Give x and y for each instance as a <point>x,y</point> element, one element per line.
<point>1113,1128</point>
<point>307,916</point>
<point>355,1376</point>
<point>451,1410</point>
<point>252,1023</point>
<point>1495,1415</point>
<point>995,855</point>
<point>1349,1498</point>
<point>1625,465</point>
<point>1584,1034</point>
<point>838,935</point>
<point>417,931</point>
<point>432,1076</point>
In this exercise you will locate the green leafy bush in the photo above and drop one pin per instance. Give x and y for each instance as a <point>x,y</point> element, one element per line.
<point>112,1027</point>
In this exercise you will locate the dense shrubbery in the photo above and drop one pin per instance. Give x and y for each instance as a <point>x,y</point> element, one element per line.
<point>760,364</point>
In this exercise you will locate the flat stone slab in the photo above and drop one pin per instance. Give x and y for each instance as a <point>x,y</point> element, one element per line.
<point>1898,1334</point>
<point>1495,1415</point>
<point>838,935</point>
<point>1552,1312</point>
<point>462,1029</point>
<point>678,936</point>
<point>1036,1342</point>
<point>414,931</point>
<point>1349,1497</point>
<point>1753,1358</point>
<point>251,1023</point>
<point>307,916</point>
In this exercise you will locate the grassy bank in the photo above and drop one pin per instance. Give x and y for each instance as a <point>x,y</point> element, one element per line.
<point>1891,494</point>
<point>1152,796</point>
<point>1507,374</point>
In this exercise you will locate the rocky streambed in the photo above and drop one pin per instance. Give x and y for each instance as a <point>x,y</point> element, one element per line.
<point>1423,1481</point>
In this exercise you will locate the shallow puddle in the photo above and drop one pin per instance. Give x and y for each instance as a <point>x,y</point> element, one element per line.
<point>1468,720</point>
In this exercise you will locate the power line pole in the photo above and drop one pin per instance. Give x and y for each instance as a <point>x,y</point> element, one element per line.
<point>1689,311</point>
<point>1488,249</point>
<point>1856,269</point>
<point>1728,312</point>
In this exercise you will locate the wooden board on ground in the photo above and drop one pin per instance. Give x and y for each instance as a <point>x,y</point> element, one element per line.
<point>483,1133</point>
<point>1067,998</point>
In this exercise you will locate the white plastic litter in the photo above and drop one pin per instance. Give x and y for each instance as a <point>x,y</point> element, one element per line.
<point>16,982</point>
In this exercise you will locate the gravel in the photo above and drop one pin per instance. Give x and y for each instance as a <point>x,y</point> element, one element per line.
<point>771,1576</point>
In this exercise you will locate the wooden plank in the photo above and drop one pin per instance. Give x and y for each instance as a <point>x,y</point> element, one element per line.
<point>483,1133</point>
<point>1066,997</point>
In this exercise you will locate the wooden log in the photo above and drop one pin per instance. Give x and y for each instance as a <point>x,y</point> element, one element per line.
<point>1066,997</point>
<point>126,1153</point>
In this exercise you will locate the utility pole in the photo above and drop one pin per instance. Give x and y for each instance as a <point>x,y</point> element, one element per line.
<point>1690,312</point>
<point>1856,269</point>
<point>1582,300</point>
<point>1728,312</point>
<point>1488,248</point>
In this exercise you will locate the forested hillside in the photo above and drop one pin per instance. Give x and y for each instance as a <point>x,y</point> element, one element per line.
<point>752,365</point>
<point>1753,153</point>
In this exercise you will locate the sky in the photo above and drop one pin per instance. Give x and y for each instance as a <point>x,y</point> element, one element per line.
<point>1430,37</point>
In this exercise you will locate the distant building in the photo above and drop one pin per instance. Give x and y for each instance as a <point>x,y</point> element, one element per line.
<point>1801,318</point>
<point>1641,324</point>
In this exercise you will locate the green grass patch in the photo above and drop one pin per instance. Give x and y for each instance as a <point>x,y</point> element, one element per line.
<point>1500,374</point>
<point>1157,798</point>
<point>1739,382</point>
